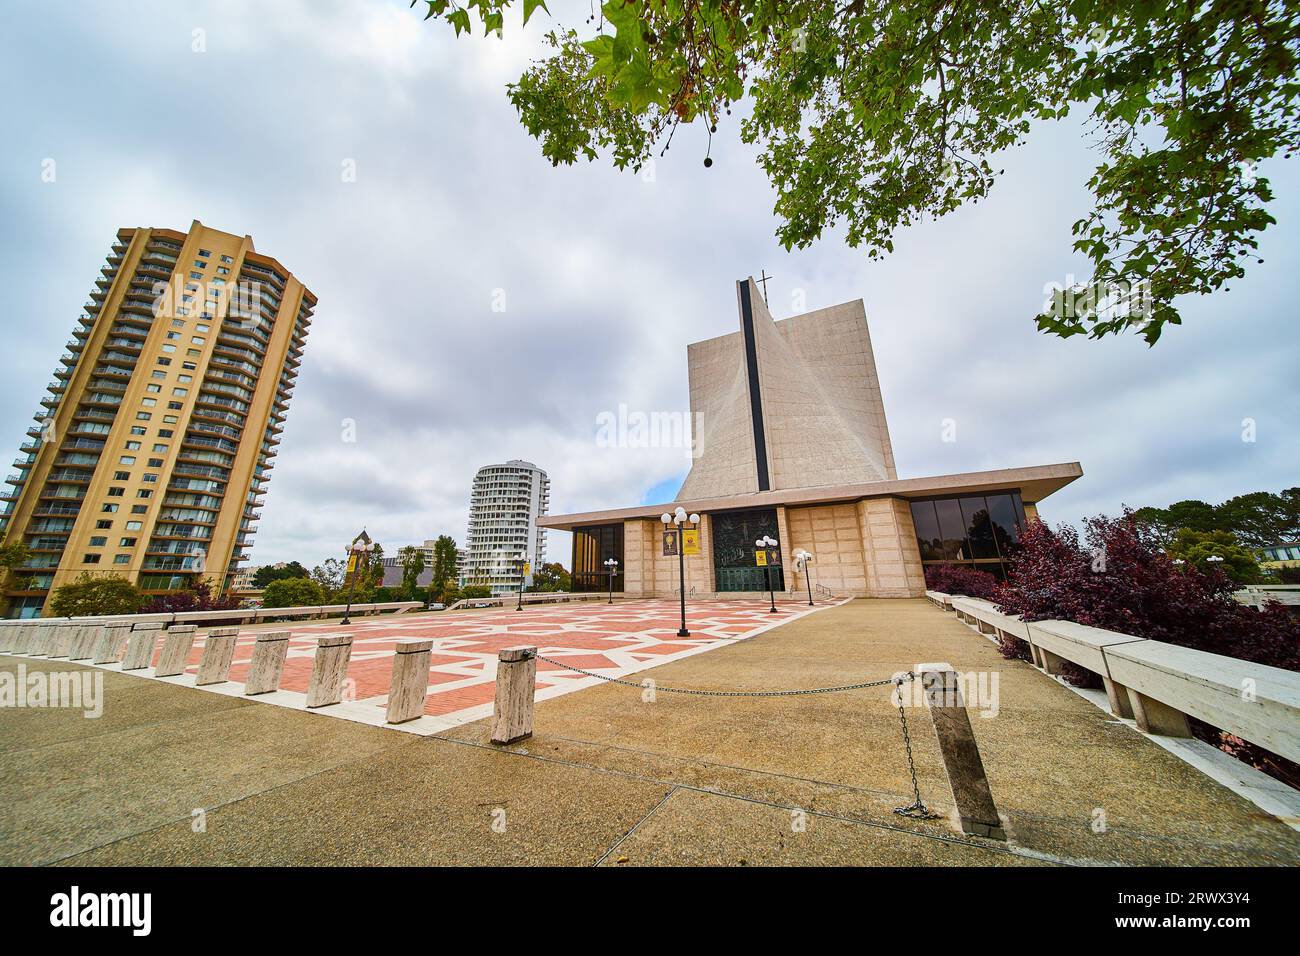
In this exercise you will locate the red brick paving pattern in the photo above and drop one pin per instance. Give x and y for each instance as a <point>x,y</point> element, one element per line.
<point>613,641</point>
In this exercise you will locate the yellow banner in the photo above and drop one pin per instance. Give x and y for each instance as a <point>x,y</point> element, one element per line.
<point>352,563</point>
<point>760,558</point>
<point>691,542</point>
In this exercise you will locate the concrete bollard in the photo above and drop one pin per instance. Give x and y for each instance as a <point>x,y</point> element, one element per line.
<point>961,756</point>
<point>83,645</point>
<point>61,644</point>
<point>267,667</point>
<point>43,642</point>
<point>512,712</point>
<point>25,638</point>
<point>140,646</point>
<point>410,683</point>
<point>178,641</point>
<point>218,652</point>
<point>329,670</point>
<point>111,643</point>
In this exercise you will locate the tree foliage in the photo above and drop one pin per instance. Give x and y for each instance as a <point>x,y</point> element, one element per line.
<point>199,599</point>
<point>880,113</point>
<point>1257,519</point>
<point>551,577</point>
<point>412,561</point>
<point>293,592</point>
<point>1208,551</point>
<point>268,573</point>
<point>93,594</point>
<point>443,578</point>
<point>1118,578</point>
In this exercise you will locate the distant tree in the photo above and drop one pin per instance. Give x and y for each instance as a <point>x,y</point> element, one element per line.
<point>1196,548</point>
<point>1257,519</point>
<point>329,575</point>
<point>294,592</point>
<point>475,591</point>
<point>444,565</point>
<point>199,599</point>
<point>92,594</point>
<point>412,560</point>
<point>551,577</point>
<point>1261,518</point>
<point>12,554</point>
<point>268,573</point>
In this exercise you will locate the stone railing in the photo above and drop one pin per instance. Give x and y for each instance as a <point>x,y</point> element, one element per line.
<point>233,616</point>
<point>1157,684</point>
<point>534,597</point>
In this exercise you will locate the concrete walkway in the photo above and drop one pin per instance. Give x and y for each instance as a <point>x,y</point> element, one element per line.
<point>170,775</point>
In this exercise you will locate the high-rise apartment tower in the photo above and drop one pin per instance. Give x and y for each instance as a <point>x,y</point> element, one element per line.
<point>151,454</point>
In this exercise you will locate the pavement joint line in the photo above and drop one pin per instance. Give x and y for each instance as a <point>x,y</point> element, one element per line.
<point>1011,811</point>
<point>623,839</point>
<point>226,803</point>
<point>994,847</point>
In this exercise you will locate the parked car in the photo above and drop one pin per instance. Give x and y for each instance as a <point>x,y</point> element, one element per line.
<point>437,607</point>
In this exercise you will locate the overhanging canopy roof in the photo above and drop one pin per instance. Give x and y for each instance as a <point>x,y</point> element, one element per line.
<point>1035,484</point>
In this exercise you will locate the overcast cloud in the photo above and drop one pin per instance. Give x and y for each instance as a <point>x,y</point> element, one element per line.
<point>606,276</point>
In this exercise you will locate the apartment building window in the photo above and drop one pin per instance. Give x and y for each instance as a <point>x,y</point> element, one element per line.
<point>227,259</point>
<point>149,478</point>
<point>205,253</point>
<point>103,524</point>
<point>127,543</point>
<point>144,493</point>
<point>196,275</point>
<point>138,430</point>
<point>98,541</point>
<point>139,509</point>
<point>121,476</point>
<point>134,525</point>
<point>156,462</point>
<point>158,374</point>
<point>126,460</point>
<point>90,559</point>
<point>121,559</point>
<point>149,402</point>
<point>180,392</point>
<point>133,446</point>
<point>143,416</point>
<point>116,493</point>
<point>176,406</point>
<point>151,387</point>
<point>108,509</point>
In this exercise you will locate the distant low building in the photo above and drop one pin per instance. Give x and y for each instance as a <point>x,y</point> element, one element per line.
<point>1284,554</point>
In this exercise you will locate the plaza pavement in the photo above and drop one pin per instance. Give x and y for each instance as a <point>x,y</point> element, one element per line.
<point>611,779</point>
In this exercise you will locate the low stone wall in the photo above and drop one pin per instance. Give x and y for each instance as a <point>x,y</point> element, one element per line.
<point>1157,684</point>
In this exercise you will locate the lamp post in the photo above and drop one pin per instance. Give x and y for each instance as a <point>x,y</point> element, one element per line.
<point>357,551</point>
<point>760,544</point>
<point>612,565</point>
<point>522,562</point>
<point>678,518</point>
<point>802,560</point>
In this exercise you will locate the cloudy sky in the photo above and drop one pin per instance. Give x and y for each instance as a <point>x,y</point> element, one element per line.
<point>605,276</point>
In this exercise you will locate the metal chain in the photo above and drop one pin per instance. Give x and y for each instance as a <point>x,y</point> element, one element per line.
<point>917,809</point>
<point>727,693</point>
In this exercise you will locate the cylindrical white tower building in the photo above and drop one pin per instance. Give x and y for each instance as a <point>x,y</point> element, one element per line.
<point>504,504</point>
